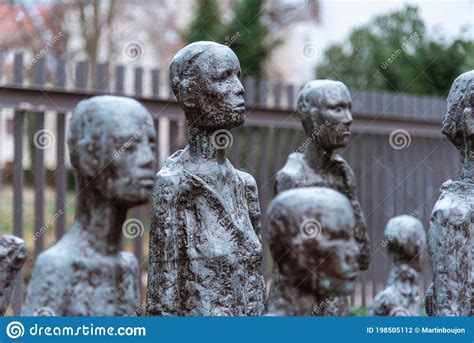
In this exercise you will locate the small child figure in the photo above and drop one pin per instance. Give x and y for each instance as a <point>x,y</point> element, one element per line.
<point>405,239</point>
<point>311,236</point>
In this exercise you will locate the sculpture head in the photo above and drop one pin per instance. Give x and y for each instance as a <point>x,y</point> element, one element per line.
<point>406,240</point>
<point>324,107</point>
<point>310,233</point>
<point>112,147</point>
<point>458,124</point>
<point>204,77</point>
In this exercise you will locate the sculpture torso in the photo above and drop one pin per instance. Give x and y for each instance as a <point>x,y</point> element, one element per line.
<point>82,282</point>
<point>401,297</point>
<point>207,253</point>
<point>451,245</point>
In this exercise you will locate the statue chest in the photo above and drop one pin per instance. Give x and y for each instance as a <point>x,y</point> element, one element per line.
<point>98,288</point>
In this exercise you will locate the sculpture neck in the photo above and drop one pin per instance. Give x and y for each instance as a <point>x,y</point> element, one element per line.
<point>202,145</point>
<point>317,157</point>
<point>98,220</point>
<point>289,300</point>
<point>467,162</point>
<point>403,273</point>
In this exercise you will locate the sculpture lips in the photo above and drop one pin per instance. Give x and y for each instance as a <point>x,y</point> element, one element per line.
<point>239,108</point>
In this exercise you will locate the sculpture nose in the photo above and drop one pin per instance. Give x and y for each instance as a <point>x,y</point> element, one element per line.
<point>347,118</point>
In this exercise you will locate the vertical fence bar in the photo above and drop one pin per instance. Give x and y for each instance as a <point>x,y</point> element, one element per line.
<point>120,79</point>
<point>138,81</point>
<point>82,72</point>
<point>249,85</point>
<point>60,80</point>
<point>155,83</point>
<point>18,68</point>
<point>18,180</point>
<point>102,77</point>
<point>60,175</point>
<point>41,139</point>
<point>40,134</point>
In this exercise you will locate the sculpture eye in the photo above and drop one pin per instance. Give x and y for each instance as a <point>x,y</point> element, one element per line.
<point>339,108</point>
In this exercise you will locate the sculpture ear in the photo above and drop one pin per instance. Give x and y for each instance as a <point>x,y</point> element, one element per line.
<point>88,161</point>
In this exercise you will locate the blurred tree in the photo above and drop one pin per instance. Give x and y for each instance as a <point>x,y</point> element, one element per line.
<point>250,39</point>
<point>394,52</point>
<point>207,24</point>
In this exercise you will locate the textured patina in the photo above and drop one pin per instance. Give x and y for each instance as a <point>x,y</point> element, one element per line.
<point>12,257</point>
<point>111,142</point>
<point>405,240</point>
<point>451,232</point>
<point>324,107</point>
<point>311,237</point>
<point>205,245</point>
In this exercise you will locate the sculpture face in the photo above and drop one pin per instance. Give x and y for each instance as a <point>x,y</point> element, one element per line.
<point>338,249</point>
<point>205,79</point>
<point>458,124</point>
<point>468,116</point>
<point>219,93</point>
<point>329,112</point>
<point>112,142</point>
<point>311,238</point>
<point>133,177</point>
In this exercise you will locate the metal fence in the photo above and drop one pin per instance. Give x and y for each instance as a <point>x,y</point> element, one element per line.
<point>397,152</point>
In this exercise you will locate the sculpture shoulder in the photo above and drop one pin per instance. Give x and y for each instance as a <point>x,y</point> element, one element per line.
<point>128,260</point>
<point>384,302</point>
<point>53,261</point>
<point>291,174</point>
<point>249,180</point>
<point>454,204</point>
<point>167,182</point>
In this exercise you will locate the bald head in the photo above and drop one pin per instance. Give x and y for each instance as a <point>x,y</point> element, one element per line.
<point>460,99</point>
<point>324,107</point>
<point>204,77</point>
<point>307,226</point>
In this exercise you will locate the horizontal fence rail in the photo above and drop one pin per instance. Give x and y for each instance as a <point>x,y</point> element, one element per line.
<point>394,177</point>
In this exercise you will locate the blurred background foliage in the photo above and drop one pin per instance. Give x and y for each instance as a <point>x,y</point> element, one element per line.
<point>426,62</point>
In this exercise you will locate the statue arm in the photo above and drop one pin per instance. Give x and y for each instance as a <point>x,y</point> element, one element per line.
<point>448,239</point>
<point>163,291</point>
<point>251,194</point>
<point>361,232</point>
<point>361,235</point>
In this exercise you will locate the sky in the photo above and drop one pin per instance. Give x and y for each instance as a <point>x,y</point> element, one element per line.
<point>449,15</point>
